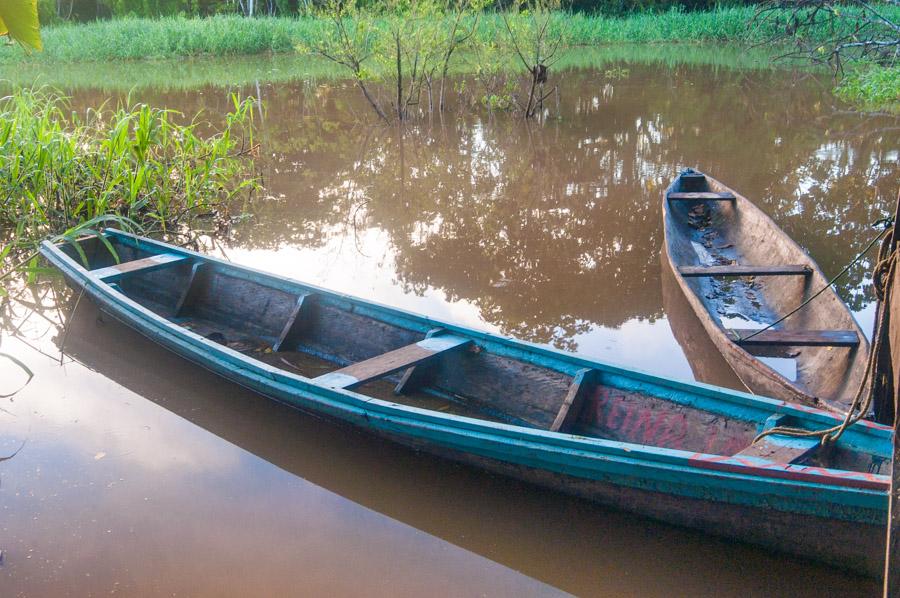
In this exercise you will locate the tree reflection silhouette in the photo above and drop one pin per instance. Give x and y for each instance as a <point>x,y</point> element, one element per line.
<point>550,230</point>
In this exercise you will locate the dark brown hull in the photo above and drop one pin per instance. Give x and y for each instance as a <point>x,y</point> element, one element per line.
<point>699,233</point>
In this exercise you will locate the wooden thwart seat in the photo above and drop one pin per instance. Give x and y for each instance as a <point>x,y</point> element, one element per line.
<point>781,449</point>
<point>699,196</point>
<point>392,361</point>
<point>740,270</point>
<point>794,338</point>
<point>692,177</point>
<point>147,264</point>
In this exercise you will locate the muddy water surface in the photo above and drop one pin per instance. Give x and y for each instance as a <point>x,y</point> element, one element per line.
<point>136,473</point>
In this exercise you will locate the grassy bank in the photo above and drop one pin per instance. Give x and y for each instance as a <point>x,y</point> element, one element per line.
<point>231,35</point>
<point>112,43</point>
<point>64,174</point>
<point>872,86</point>
<point>192,73</point>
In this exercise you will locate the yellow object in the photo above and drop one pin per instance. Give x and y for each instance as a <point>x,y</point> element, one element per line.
<point>19,20</point>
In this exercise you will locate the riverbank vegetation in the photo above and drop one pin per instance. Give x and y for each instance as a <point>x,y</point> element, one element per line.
<point>187,74</point>
<point>814,28</point>
<point>64,174</point>
<point>872,86</point>
<point>135,38</point>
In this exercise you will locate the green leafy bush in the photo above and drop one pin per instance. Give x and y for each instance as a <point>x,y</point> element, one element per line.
<point>62,172</point>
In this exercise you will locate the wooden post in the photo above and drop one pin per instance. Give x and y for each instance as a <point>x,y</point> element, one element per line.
<point>883,385</point>
<point>892,553</point>
<point>892,550</point>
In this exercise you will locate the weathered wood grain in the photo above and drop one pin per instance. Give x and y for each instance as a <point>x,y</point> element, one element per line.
<point>703,235</point>
<point>572,405</point>
<point>782,449</point>
<point>739,270</point>
<point>700,196</point>
<point>415,376</point>
<point>795,338</point>
<point>392,361</point>
<point>147,264</point>
<point>295,324</point>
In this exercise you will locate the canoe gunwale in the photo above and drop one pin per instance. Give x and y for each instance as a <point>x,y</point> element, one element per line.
<point>719,335</point>
<point>591,458</point>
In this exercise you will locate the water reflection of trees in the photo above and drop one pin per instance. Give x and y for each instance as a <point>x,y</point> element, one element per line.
<point>552,229</point>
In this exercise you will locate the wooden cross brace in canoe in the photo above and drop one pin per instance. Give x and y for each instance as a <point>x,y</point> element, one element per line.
<point>403,358</point>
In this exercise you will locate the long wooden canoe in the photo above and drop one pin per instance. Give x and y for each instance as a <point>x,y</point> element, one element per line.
<point>675,451</point>
<point>740,272</point>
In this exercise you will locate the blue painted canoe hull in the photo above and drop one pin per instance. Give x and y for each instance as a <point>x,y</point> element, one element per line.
<point>831,515</point>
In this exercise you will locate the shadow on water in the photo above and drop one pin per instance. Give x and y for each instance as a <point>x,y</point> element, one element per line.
<point>568,543</point>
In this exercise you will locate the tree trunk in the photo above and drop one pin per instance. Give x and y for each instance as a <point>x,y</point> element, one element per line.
<point>372,100</point>
<point>399,77</point>
<point>529,108</point>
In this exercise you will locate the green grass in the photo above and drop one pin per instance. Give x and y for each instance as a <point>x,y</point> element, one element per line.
<point>196,72</point>
<point>63,174</point>
<point>134,38</point>
<point>872,86</point>
<point>109,43</point>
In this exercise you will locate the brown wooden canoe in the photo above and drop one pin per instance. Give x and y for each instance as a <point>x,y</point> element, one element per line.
<point>740,272</point>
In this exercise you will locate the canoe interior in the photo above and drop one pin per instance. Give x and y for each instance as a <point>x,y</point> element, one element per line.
<point>315,333</point>
<point>704,233</point>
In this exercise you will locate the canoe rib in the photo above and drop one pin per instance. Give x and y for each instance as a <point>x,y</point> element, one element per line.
<point>571,407</point>
<point>294,324</point>
<point>392,361</point>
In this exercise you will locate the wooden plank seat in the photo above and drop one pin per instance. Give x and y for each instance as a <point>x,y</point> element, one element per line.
<point>700,196</point>
<point>392,361</point>
<point>782,449</point>
<point>692,177</point>
<point>147,264</point>
<point>779,447</point>
<point>794,338</point>
<point>741,270</point>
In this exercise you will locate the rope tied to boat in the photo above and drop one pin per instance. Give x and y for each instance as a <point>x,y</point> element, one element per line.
<point>888,226</point>
<point>882,283</point>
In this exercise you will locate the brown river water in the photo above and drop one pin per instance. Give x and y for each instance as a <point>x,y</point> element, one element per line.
<point>131,472</point>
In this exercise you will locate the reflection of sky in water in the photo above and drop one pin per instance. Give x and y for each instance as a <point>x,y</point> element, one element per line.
<point>361,263</point>
<point>361,266</point>
<point>120,494</point>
